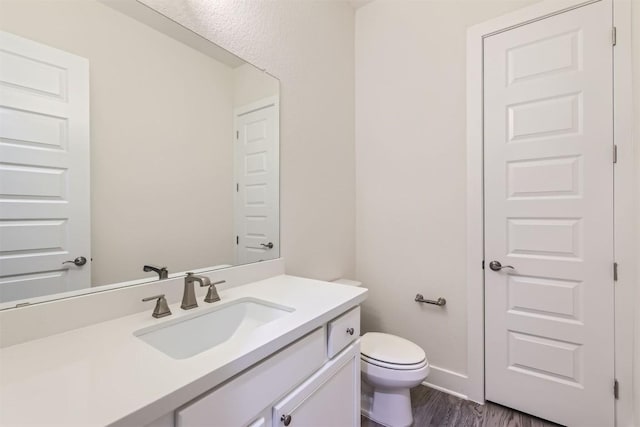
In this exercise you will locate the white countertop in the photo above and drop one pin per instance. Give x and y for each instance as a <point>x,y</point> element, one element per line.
<point>102,374</point>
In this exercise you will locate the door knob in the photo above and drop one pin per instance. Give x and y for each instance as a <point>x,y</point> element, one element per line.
<point>79,262</point>
<point>496,266</point>
<point>267,245</point>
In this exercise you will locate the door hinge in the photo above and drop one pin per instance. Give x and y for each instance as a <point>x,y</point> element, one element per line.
<point>614,36</point>
<point>615,271</point>
<point>237,134</point>
<point>237,240</point>
<point>483,264</point>
<point>237,187</point>
<point>616,389</point>
<point>615,154</point>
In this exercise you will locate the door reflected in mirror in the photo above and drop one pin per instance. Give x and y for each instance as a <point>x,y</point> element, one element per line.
<point>130,142</point>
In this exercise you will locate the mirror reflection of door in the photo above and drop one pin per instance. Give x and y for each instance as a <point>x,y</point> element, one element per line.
<point>256,171</point>
<point>44,169</point>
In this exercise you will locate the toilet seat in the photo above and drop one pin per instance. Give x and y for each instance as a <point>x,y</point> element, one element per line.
<point>394,366</point>
<point>391,352</point>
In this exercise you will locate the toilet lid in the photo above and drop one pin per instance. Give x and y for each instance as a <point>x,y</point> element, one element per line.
<point>391,349</point>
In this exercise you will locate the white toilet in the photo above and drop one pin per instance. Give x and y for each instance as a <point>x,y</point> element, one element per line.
<point>390,367</point>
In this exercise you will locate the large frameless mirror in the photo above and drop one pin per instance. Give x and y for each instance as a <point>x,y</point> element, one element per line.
<point>131,149</point>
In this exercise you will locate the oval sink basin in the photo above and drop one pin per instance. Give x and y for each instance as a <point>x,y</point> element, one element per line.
<point>187,336</point>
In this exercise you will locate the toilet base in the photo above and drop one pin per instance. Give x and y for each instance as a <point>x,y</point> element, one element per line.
<point>390,407</point>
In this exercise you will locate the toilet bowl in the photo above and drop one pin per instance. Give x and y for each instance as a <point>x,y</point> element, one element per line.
<point>390,366</point>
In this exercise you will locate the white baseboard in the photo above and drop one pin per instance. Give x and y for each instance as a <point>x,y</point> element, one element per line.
<point>447,381</point>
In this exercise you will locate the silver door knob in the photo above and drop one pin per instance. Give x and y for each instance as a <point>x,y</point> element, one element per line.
<point>496,266</point>
<point>267,245</point>
<point>80,261</point>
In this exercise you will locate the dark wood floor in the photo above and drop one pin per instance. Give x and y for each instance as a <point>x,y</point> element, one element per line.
<point>433,408</point>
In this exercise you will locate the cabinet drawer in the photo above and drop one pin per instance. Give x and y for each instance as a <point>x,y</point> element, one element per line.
<point>331,397</point>
<point>238,402</point>
<point>343,330</point>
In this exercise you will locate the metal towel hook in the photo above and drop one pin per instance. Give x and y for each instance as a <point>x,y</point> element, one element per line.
<point>439,302</point>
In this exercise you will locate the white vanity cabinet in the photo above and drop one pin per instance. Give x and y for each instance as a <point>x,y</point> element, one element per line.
<point>314,381</point>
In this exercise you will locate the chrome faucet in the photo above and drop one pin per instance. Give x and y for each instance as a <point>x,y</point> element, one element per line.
<point>162,272</point>
<point>189,295</point>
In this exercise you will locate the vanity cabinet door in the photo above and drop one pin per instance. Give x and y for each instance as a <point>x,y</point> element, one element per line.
<point>331,397</point>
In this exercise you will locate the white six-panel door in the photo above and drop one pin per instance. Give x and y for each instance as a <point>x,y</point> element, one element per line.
<point>256,208</point>
<point>44,169</point>
<point>548,140</point>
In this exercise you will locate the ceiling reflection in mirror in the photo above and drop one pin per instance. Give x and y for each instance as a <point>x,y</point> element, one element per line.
<point>131,149</point>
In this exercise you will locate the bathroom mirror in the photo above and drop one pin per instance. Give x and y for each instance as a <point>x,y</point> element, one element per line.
<point>126,141</point>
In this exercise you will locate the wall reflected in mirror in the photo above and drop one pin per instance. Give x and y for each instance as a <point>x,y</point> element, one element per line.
<point>127,141</point>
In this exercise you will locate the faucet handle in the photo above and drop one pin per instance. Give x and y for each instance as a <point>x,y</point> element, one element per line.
<point>162,308</point>
<point>212,293</point>
<point>207,283</point>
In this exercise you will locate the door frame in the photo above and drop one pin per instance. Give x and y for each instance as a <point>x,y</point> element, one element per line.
<point>239,111</point>
<point>624,195</point>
